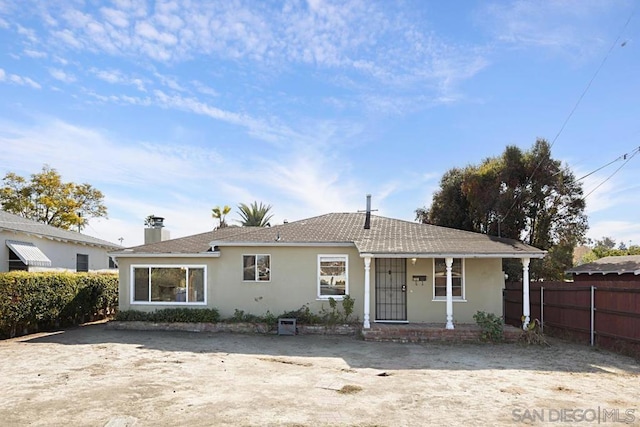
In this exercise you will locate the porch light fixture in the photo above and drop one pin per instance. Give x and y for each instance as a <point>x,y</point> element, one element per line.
<point>413,261</point>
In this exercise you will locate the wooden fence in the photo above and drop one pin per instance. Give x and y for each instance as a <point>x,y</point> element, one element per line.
<point>600,314</point>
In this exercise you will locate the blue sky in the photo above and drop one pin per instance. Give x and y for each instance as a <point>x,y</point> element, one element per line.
<point>171,108</point>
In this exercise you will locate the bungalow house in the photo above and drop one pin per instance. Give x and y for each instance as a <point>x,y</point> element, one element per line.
<point>396,271</point>
<point>608,269</point>
<point>33,246</point>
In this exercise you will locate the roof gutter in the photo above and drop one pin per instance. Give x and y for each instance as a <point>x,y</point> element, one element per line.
<point>538,255</point>
<point>117,255</point>
<point>593,272</point>
<point>276,244</point>
<point>61,239</point>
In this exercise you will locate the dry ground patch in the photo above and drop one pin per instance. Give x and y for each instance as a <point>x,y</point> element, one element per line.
<point>95,376</point>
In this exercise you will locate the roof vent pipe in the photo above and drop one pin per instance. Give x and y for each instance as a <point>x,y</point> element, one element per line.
<point>367,219</point>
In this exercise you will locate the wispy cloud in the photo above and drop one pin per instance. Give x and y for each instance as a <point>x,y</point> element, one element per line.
<point>61,75</point>
<point>627,232</point>
<point>362,37</point>
<point>31,53</point>
<point>18,80</point>
<point>554,26</point>
<point>306,182</point>
<point>118,77</point>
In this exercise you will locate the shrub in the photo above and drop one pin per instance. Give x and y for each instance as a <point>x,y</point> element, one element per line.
<point>239,316</point>
<point>304,316</point>
<point>39,301</point>
<point>347,306</point>
<point>533,334</point>
<point>171,315</point>
<point>491,326</point>
<point>331,317</point>
<point>131,316</point>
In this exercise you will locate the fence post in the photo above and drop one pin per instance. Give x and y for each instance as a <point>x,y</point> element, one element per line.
<point>542,308</point>
<point>593,312</point>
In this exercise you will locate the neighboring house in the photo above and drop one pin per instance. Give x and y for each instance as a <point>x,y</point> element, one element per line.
<point>608,269</point>
<point>397,271</point>
<point>32,246</point>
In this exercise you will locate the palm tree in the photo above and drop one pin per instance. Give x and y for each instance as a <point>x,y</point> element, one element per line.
<point>254,215</point>
<point>220,215</point>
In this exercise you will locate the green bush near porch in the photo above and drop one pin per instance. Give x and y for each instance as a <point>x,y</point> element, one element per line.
<point>491,326</point>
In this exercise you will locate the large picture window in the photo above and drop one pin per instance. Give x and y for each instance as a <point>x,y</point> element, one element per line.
<point>333,277</point>
<point>169,284</point>
<point>256,268</point>
<point>440,279</point>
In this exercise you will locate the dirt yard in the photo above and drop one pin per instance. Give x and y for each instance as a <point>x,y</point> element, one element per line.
<point>95,376</point>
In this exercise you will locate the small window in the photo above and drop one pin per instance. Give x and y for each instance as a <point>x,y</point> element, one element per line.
<point>256,268</point>
<point>112,263</point>
<point>333,277</point>
<point>15,263</point>
<point>82,262</point>
<point>440,279</point>
<point>168,284</point>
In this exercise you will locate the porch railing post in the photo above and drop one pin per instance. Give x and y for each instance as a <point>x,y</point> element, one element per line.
<point>366,324</point>
<point>526,307</point>
<point>449,264</point>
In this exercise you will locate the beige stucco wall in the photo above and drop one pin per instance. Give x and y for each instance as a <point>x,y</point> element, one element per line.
<point>293,280</point>
<point>294,283</point>
<point>61,254</point>
<point>484,281</point>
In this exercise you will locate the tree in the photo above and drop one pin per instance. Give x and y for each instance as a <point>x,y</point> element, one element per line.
<point>607,247</point>
<point>221,215</point>
<point>47,199</point>
<point>523,195</point>
<point>254,215</point>
<point>450,205</point>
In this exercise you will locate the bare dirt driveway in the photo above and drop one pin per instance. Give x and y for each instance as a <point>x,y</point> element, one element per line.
<point>97,376</point>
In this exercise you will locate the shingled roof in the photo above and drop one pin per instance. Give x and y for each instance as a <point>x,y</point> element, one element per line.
<point>18,224</point>
<point>629,264</point>
<point>386,236</point>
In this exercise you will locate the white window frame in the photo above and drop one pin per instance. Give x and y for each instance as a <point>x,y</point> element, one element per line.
<point>257,276</point>
<point>340,257</point>
<point>433,282</point>
<point>132,284</point>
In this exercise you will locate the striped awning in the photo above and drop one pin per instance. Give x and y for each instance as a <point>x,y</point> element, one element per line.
<point>29,253</point>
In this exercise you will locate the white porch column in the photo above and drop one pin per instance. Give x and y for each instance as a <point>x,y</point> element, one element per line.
<point>449,263</point>
<point>367,291</point>
<point>525,293</point>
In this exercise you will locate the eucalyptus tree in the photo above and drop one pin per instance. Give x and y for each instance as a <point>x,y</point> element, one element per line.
<point>523,195</point>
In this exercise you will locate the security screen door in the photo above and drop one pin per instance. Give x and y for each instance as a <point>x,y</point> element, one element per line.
<point>391,289</point>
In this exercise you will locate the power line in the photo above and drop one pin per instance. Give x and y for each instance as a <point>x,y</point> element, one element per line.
<point>623,157</point>
<point>575,107</point>
<point>614,172</point>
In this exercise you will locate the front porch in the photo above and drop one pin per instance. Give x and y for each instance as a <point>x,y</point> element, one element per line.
<point>430,332</point>
<point>387,284</point>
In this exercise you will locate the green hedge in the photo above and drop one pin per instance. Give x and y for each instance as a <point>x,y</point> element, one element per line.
<point>39,301</point>
<point>171,315</point>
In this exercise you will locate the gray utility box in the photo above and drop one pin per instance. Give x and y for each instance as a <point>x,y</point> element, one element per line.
<point>286,326</point>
